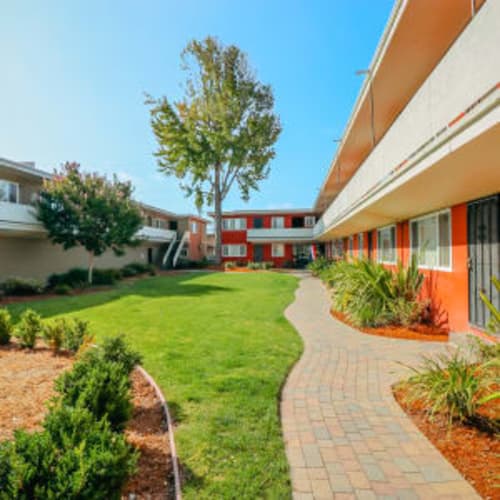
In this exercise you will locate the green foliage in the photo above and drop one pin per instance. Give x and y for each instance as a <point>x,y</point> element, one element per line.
<point>29,328</point>
<point>485,351</point>
<point>54,333</point>
<point>76,456</point>
<point>229,265</point>
<point>116,350</point>
<point>254,265</point>
<point>494,323</point>
<point>76,334</point>
<point>106,276</point>
<point>371,295</point>
<point>99,386</point>
<point>223,130</point>
<point>5,326</point>
<point>452,384</point>
<point>21,286</point>
<point>87,210</point>
<point>62,289</point>
<point>319,265</point>
<point>135,268</point>
<point>74,278</point>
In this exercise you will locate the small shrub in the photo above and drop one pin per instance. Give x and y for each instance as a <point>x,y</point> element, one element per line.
<point>115,350</point>
<point>318,265</point>
<point>254,266</point>
<point>5,327</point>
<point>29,328</point>
<point>62,289</point>
<point>452,384</point>
<point>229,265</point>
<point>268,264</point>
<point>494,322</point>
<point>99,386</point>
<point>75,456</point>
<point>485,351</point>
<point>76,335</point>
<point>20,286</point>
<point>106,276</point>
<point>54,333</point>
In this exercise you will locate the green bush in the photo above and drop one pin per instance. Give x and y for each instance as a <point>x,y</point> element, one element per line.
<point>254,265</point>
<point>99,386</point>
<point>135,268</point>
<point>229,265</point>
<point>494,322</point>
<point>106,276</point>
<point>372,295</point>
<point>318,265</point>
<point>62,289</point>
<point>76,456</point>
<point>76,334</point>
<point>20,286</point>
<point>74,278</point>
<point>452,384</point>
<point>5,327</point>
<point>54,333</point>
<point>29,328</point>
<point>485,351</point>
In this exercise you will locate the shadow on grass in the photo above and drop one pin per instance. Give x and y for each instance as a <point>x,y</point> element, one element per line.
<point>155,287</point>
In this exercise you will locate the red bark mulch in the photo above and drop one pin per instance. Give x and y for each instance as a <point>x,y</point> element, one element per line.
<point>474,453</point>
<point>418,331</point>
<point>26,385</point>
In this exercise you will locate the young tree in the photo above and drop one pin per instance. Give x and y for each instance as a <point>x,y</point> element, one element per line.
<point>223,130</point>
<point>87,210</point>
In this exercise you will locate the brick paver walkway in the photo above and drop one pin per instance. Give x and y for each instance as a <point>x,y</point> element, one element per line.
<point>345,435</point>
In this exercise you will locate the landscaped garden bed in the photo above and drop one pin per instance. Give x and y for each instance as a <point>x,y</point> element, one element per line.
<point>62,417</point>
<point>454,400</point>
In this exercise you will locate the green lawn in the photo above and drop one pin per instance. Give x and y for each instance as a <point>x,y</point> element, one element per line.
<point>220,348</point>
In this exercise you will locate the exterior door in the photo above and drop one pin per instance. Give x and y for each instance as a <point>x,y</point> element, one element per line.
<point>370,244</point>
<point>484,253</point>
<point>258,253</point>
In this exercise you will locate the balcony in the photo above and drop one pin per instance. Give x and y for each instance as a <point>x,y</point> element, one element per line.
<point>280,235</point>
<point>156,234</point>
<point>18,218</point>
<point>440,151</point>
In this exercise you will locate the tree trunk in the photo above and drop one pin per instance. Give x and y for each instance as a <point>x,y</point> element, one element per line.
<point>91,267</point>
<point>218,216</point>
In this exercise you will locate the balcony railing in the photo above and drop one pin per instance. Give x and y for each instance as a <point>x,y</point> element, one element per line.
<point>461,88</point>
<point>148,233</point>
<point>19,217</point>
<point>283,234</point>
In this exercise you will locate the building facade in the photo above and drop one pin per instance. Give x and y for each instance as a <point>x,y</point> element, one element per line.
<point>418,169</point>
<point>283,237</point>
<point>25,251</point>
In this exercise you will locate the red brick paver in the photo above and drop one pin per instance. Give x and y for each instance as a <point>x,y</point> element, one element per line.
<point>345,435</point>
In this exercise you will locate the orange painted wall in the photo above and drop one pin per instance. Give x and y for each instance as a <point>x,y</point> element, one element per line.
<point>447,290</point>
<point>196,240</point>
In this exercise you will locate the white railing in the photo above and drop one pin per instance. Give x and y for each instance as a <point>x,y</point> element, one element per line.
<point>156,234</point>
<point>183,241</point>
<point>283,234</point>
<point>19,217</point>
<point>467,72</point>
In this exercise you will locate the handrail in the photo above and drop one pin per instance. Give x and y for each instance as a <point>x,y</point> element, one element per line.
<point>185,236</point>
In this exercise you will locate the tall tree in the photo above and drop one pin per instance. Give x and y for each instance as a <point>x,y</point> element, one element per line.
<point>221,132</point>
<point>87,210</point>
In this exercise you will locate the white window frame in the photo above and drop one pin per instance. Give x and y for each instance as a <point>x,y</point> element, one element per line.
<point>194,227</point>
<point>309,220</point>
<point>361,243</point>
<point>278,222</point>
<point>379,230</point>
<point>234,224</point>
<point>17,190</point>
<point>281,253</point>
<point>230,250</point>
<point>436,216</point>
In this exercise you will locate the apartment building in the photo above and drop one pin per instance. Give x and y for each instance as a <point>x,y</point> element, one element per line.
<point>167,239</point>
<point>283,237</point>
<point>418,169</point>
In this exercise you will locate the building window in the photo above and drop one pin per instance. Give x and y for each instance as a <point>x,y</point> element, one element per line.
<point>158,223</point>
<point>301,251</point>
<point>194,227</point>
<point>258,222</point>
<point>277,222</point>
<point>386,245</point>
<point>430,240</point>
<point>278,250</point>
<point>361,247</point>
<point>309,221</point>
<point>9,191</point>
<point>234,224</point>
<point>234,250</point>
<point>351,246</point>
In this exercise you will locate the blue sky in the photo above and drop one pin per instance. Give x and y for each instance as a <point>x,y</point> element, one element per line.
<point>74,73</point>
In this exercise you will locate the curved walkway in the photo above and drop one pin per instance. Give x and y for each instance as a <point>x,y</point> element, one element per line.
<point>345,435</point>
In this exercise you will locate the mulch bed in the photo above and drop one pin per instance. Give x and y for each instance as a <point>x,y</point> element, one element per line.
<point>424,332</point>
<point>475,454</point>
<point>26,385</point>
